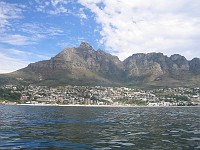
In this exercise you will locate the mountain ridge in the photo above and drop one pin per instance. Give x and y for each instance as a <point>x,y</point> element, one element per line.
<point>85,66</point>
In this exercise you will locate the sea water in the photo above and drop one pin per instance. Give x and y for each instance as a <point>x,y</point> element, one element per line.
<point>54,127</point>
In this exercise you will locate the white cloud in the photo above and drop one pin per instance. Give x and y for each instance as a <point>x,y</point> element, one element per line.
<point>9,64</point>
<point>13,59</point>
<point>41,31</point>
<point>25,55</point>
<point>15,39</point>
<point>61,7</point>
<point>9,11</point>
<point>71,42</point>
<point>34,33</point>
<point>18,52</point>
<point>82,14</point>
<point>63,44</point>
<point>53,7</point>
<point>59,2</point>
<point>129,27</point>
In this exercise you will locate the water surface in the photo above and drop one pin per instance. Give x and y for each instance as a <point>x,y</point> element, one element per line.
<point>54,127</point>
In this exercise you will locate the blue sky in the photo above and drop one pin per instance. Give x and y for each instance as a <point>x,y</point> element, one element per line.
<point>33,30</point>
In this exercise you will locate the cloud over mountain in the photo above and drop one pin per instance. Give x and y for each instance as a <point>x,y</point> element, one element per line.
<point>148,25</point>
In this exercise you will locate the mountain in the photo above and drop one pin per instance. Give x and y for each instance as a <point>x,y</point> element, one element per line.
<point>155,65</point>
<point>85,66</point>
<point>81,65</point>
<point>156,69</point>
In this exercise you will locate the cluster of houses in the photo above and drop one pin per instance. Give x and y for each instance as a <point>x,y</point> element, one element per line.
<point>98,95</point>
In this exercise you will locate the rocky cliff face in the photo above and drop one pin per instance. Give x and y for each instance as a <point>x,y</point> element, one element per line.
<point>152,66</point>
<point>194,66</point>
<point>180,65</point>
<point>100,62</point>
<point>145,66</point>
<point>85,64</point>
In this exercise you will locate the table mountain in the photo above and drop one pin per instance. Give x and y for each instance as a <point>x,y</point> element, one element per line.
<point>85,66</point>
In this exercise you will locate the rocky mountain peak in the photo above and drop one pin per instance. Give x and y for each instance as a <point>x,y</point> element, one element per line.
<point>195,65</point>
<point>85,45</point>
<point>180,61</point>
<point>176,57</point>
<point>154,55</point>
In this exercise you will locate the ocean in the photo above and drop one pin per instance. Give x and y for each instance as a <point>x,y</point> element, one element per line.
<point>99,128</point>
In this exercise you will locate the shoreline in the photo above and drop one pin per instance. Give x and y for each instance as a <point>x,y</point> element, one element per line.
<point>77,105</point>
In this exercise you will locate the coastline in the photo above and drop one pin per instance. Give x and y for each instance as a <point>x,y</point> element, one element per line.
<point>77,105</point>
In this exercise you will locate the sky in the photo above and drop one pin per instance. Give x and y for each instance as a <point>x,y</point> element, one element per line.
<point>34,30</point>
